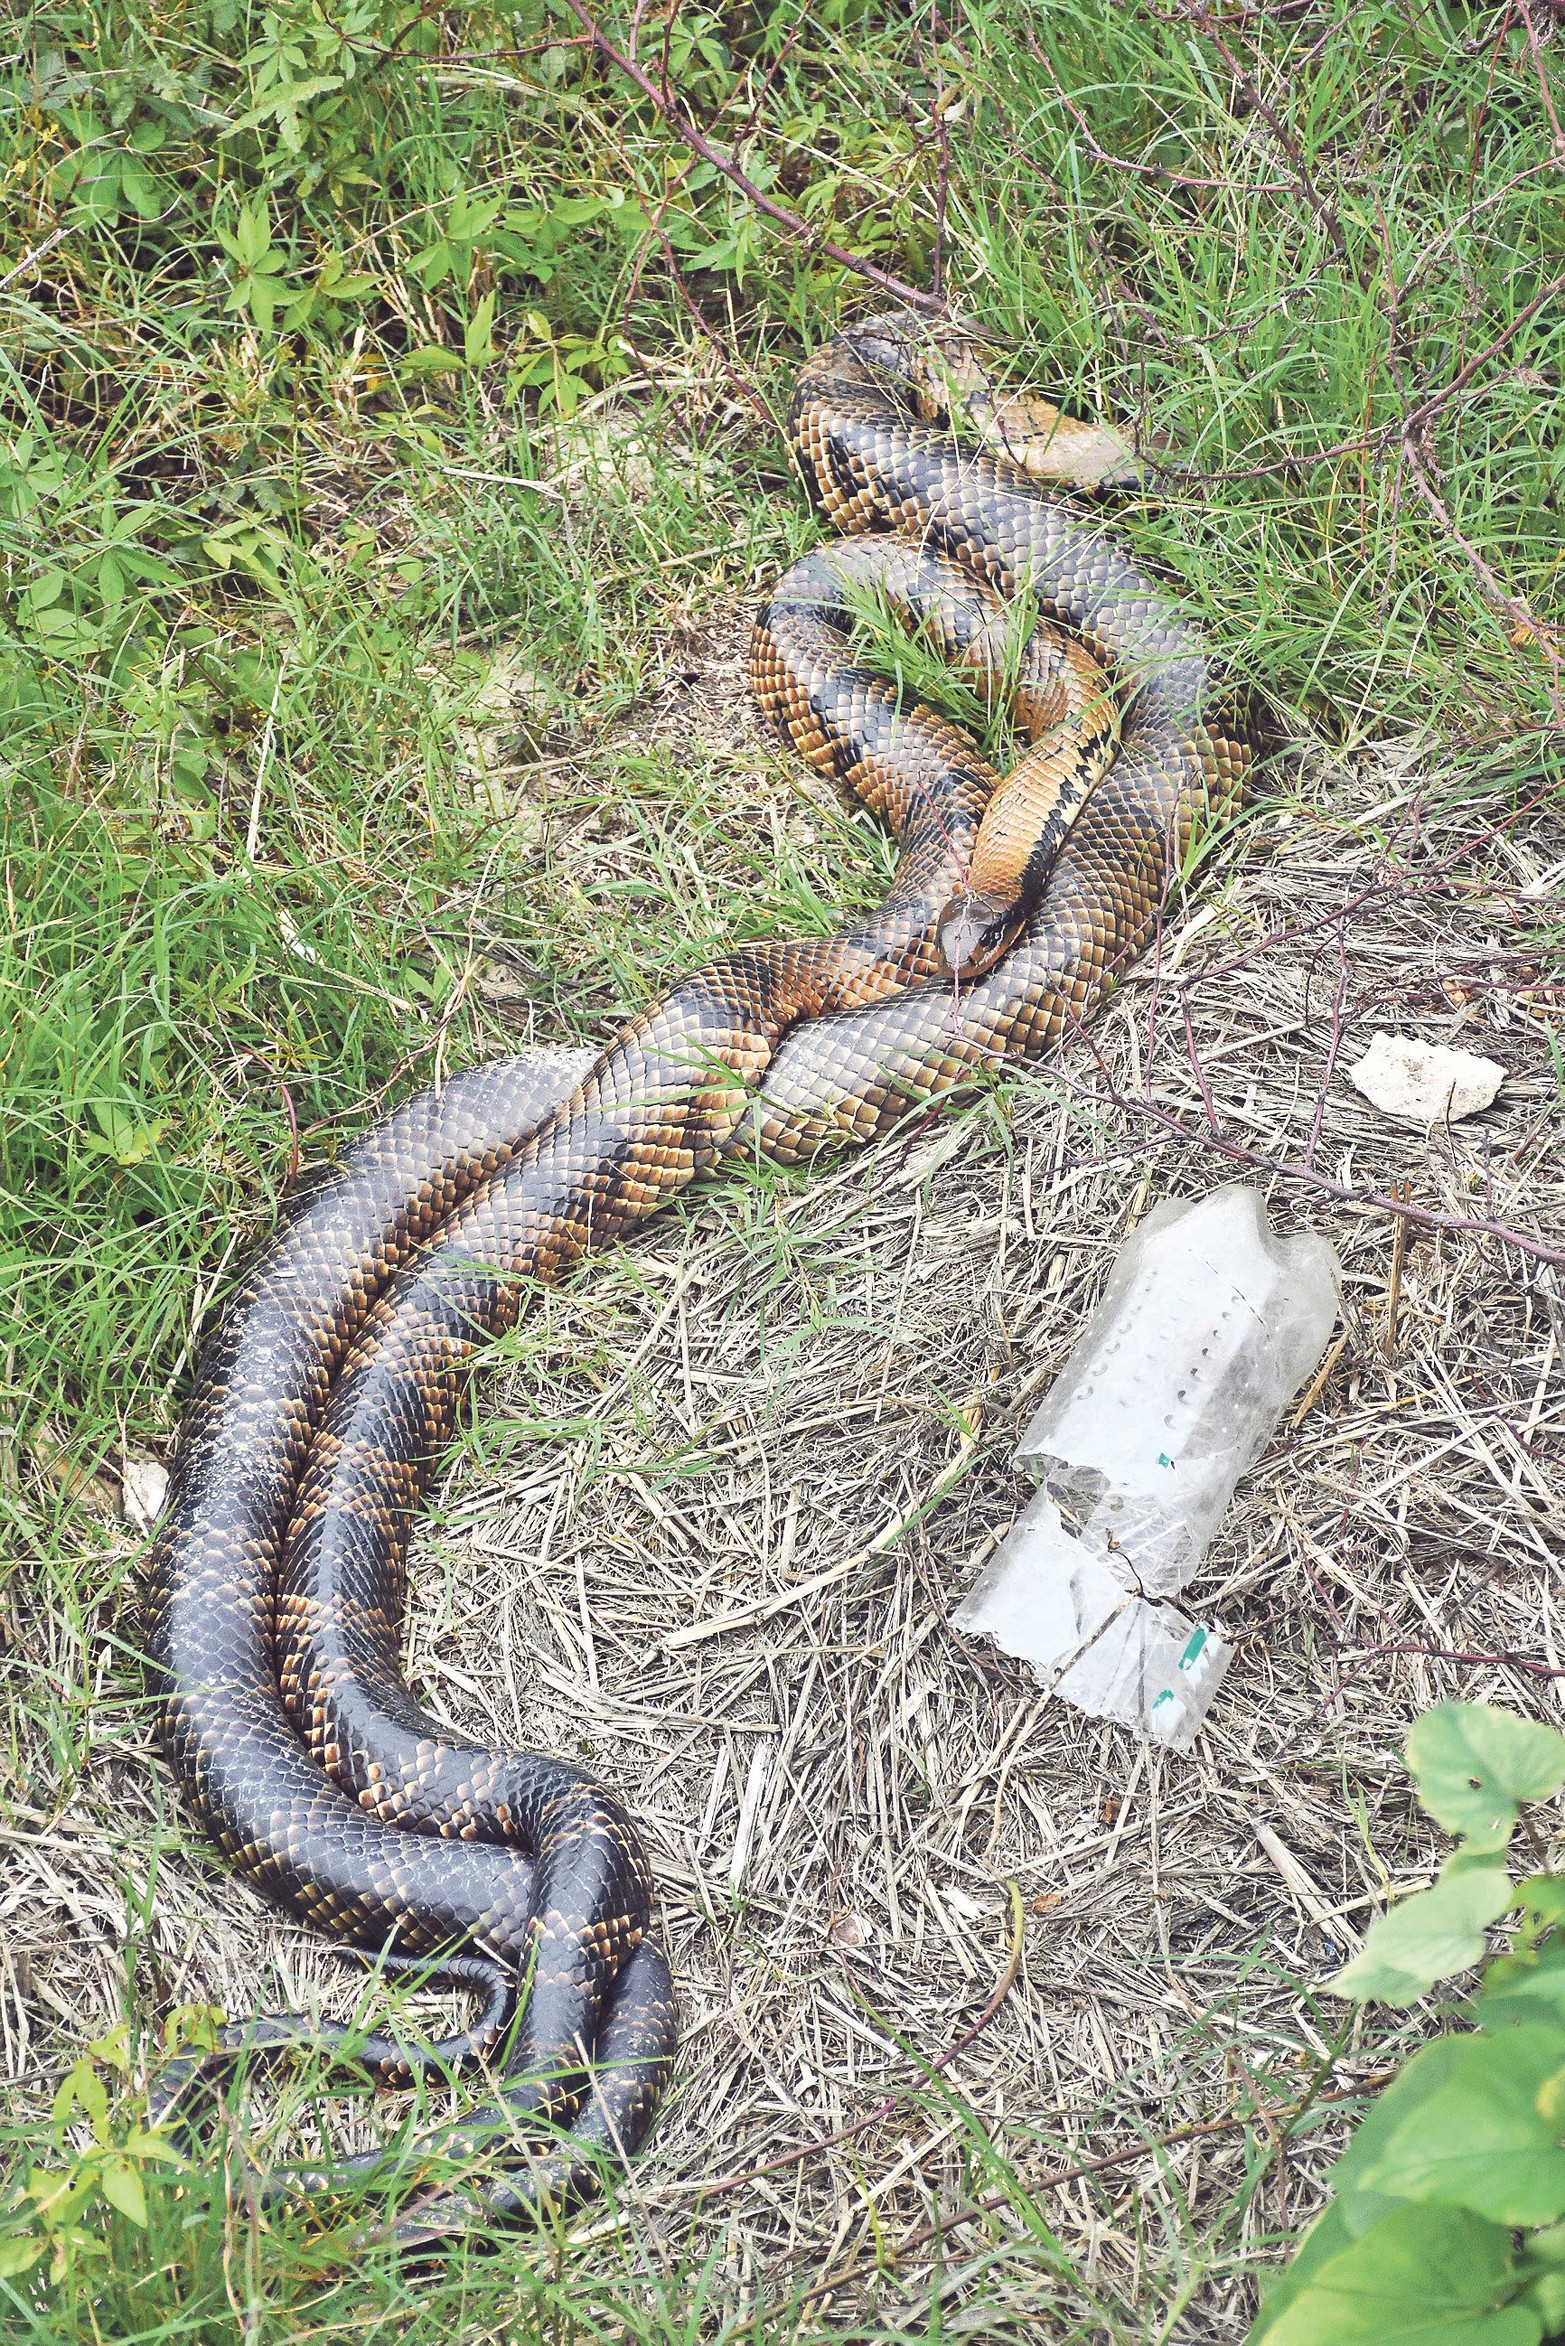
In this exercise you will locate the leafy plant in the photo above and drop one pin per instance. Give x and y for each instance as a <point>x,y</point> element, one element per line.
<point>1447,2218</point>
<point>48,2215</point>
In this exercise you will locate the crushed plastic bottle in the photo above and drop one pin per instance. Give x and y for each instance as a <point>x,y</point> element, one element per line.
<point>1208,1327</point>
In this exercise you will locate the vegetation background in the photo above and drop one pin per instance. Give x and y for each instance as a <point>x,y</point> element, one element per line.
<point>306,312</point>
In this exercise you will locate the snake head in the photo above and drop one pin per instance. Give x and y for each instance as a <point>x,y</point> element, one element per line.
<point>974,931</point>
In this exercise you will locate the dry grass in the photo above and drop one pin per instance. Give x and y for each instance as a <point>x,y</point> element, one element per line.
<point>726,1495</point>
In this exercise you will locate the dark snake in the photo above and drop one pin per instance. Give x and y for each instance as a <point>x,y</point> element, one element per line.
<point>324,1401</point>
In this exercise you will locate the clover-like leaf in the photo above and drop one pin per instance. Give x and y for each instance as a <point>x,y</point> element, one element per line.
<point>1429,1936</point>
<point>1475,1765</point>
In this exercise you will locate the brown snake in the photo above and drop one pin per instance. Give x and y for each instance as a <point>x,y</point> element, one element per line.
<point>326,1398</point>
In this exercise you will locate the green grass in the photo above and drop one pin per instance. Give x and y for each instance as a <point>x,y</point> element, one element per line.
<point>313,288</point>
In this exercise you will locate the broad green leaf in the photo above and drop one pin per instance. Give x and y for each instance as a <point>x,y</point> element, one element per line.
<point>140,189</point>
<point>58,2194</point>
<point>46,589</point>
<point>1548,2248</point>
<point>19,2253</point>
<point>1523,1987</point>
<point>477,345</point>
<point>113,2049</point>
<point>1474,1765</point>
<point>1334,2230</point>
<point>1418,2277</point>
<point>82,2086</point>
<point>122,2188</point>
<point>1546,2295</point>
<point>1429,1936</point>
<point>1411,2089</point>
<point>1543,1895</point>
<point>433,265</point>
<point>1481,2141</point>
<point>129,1140</point>
<point>428,359</point>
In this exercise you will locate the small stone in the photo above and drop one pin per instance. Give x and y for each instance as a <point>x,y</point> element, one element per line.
<point>143,1492</point>
<point>1425,1082</point>
<point>849,1929</point>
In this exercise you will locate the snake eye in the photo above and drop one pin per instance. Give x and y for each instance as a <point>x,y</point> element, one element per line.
<point>974,931</point>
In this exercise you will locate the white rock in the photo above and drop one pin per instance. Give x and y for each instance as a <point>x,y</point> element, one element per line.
<point>143,1492</point>
<point>1424,1081</point>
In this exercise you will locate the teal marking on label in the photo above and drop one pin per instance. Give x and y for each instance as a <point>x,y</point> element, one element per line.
<point>1167,1695</point>
<point>1163,1458</point>
<point>1192,1650</point>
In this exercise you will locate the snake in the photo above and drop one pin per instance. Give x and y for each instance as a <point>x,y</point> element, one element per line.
<point>980,519</point>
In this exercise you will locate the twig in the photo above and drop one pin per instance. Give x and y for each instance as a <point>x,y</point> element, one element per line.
<point>1388,1334</point>
<point>1205,23</point>
<point>1306,1177</point>
<point>1144,170</point>
<point>1333,1046</point>
<point>30,260</point>
<point>993,2201</point>
<point>746,389</point>
<point>1472,1661</point>
<point>937,103</point>
<point>678,121</point>
<point>883,2109</point>
<point>1527,626</point>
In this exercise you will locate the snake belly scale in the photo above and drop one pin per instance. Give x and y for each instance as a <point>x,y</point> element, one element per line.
<point>324,1401</point>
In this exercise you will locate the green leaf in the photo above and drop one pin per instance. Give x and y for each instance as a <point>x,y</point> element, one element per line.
<point>1475,1765</point>
<point>1543,1895</point>
<point>1546,2295</point>
<point>433,264</point>
<point>1547,2249</point>
<point>122,2188</point>
<point>283,106</point>
<point>82,2087</point>
<point>1418,2277</point>
<point>1429,1936</point>
<point>140,189</point>
<point>263,295</point>
<point>1483,2140</point>
<point>129,1141</point>
<point>113,2049</point>
<point>470,216</point>
<point>253,234</point>
<point>429,359</point>
<point>1414,2087</point>
<point>1341,2223</point>
<point>20,2253</point>
<point>477,344</point>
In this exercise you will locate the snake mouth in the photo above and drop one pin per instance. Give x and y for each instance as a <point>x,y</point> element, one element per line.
<point>974,931</point>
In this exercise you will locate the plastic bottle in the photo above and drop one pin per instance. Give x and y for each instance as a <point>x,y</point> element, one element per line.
<point>1208,1327</point>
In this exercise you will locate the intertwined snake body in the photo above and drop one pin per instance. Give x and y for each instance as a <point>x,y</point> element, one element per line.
<point>327,1396</point>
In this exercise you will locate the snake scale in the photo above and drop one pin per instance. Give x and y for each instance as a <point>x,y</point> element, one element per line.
<point>323,1403</point>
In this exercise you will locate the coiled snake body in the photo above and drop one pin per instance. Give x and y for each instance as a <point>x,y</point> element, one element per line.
<point>324,1401</point>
